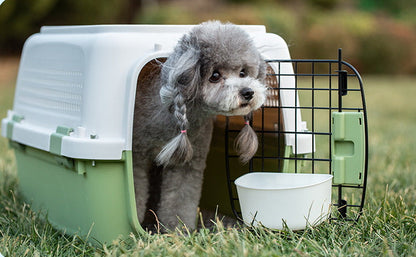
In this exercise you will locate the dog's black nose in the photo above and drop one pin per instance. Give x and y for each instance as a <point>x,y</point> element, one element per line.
<point>247,93</point>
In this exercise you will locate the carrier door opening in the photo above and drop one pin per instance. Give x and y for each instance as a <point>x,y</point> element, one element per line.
<point>147,77</point>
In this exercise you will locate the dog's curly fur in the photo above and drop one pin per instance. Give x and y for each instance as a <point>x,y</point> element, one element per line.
<point>214,69</point>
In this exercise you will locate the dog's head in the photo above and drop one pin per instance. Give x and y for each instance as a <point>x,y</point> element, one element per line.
<point>217,67</point>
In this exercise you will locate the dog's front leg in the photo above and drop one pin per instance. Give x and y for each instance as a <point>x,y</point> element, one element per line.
<point>141,185</point>
<point>182,183</point>
<point>180,194</point>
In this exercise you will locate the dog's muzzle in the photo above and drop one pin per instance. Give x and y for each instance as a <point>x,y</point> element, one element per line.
<point>238,96</point>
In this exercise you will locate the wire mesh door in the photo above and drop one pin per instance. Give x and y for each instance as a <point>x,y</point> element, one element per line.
<point>304,127</point>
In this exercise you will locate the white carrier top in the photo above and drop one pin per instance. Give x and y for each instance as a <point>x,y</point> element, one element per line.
<point>76,86</point>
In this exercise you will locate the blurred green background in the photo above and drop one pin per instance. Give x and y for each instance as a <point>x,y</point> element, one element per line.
<point>377,36</point>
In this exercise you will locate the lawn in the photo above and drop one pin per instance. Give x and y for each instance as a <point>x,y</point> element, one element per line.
<point>387,226</point>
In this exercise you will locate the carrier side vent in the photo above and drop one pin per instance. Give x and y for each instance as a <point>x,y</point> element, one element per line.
<point>50,89</point>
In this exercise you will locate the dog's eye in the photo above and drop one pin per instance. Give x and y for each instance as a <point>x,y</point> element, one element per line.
<point>243,73</point>
<point>215,77</point>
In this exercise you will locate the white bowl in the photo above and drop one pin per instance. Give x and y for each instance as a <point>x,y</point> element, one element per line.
<point>275,199</point>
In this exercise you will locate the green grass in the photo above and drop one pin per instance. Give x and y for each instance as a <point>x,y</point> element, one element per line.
<point>387,226</point>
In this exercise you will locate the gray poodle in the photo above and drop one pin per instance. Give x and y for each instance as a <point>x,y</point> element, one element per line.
<point>215,69</point>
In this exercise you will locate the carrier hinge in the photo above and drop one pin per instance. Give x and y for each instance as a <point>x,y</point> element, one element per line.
<point>15,119</point>
<point>55,142</point>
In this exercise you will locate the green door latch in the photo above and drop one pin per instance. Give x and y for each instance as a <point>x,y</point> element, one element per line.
<point>348,148</point>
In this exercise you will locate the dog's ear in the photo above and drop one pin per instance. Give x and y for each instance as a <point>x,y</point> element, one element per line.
<point>181,77</point>
<point>262,69</point>
<point>180,72</point>
<point>246,142</point>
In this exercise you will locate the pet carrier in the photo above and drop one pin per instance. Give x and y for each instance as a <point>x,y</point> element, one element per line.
<point>71,124</point>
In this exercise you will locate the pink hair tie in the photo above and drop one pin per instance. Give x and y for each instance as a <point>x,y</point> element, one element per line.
<point>183,131</point>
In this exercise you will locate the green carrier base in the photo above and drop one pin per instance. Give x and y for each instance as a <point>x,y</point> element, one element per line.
<point>94,198</point>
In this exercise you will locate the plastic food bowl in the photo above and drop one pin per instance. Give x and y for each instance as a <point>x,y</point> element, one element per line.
<point>276,199</point>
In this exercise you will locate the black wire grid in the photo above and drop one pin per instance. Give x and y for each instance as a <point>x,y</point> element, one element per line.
<point>321,87</point>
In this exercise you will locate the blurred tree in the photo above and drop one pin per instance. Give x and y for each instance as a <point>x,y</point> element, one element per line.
<point>250,1</point>
<point>131,8</point>
<point>324,4</point>
<point>395,7</point>
<point>20,19</point>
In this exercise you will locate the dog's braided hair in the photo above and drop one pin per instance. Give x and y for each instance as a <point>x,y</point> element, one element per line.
<point>179,148</point>
<point>246,142</point>
<point>180,77</point>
